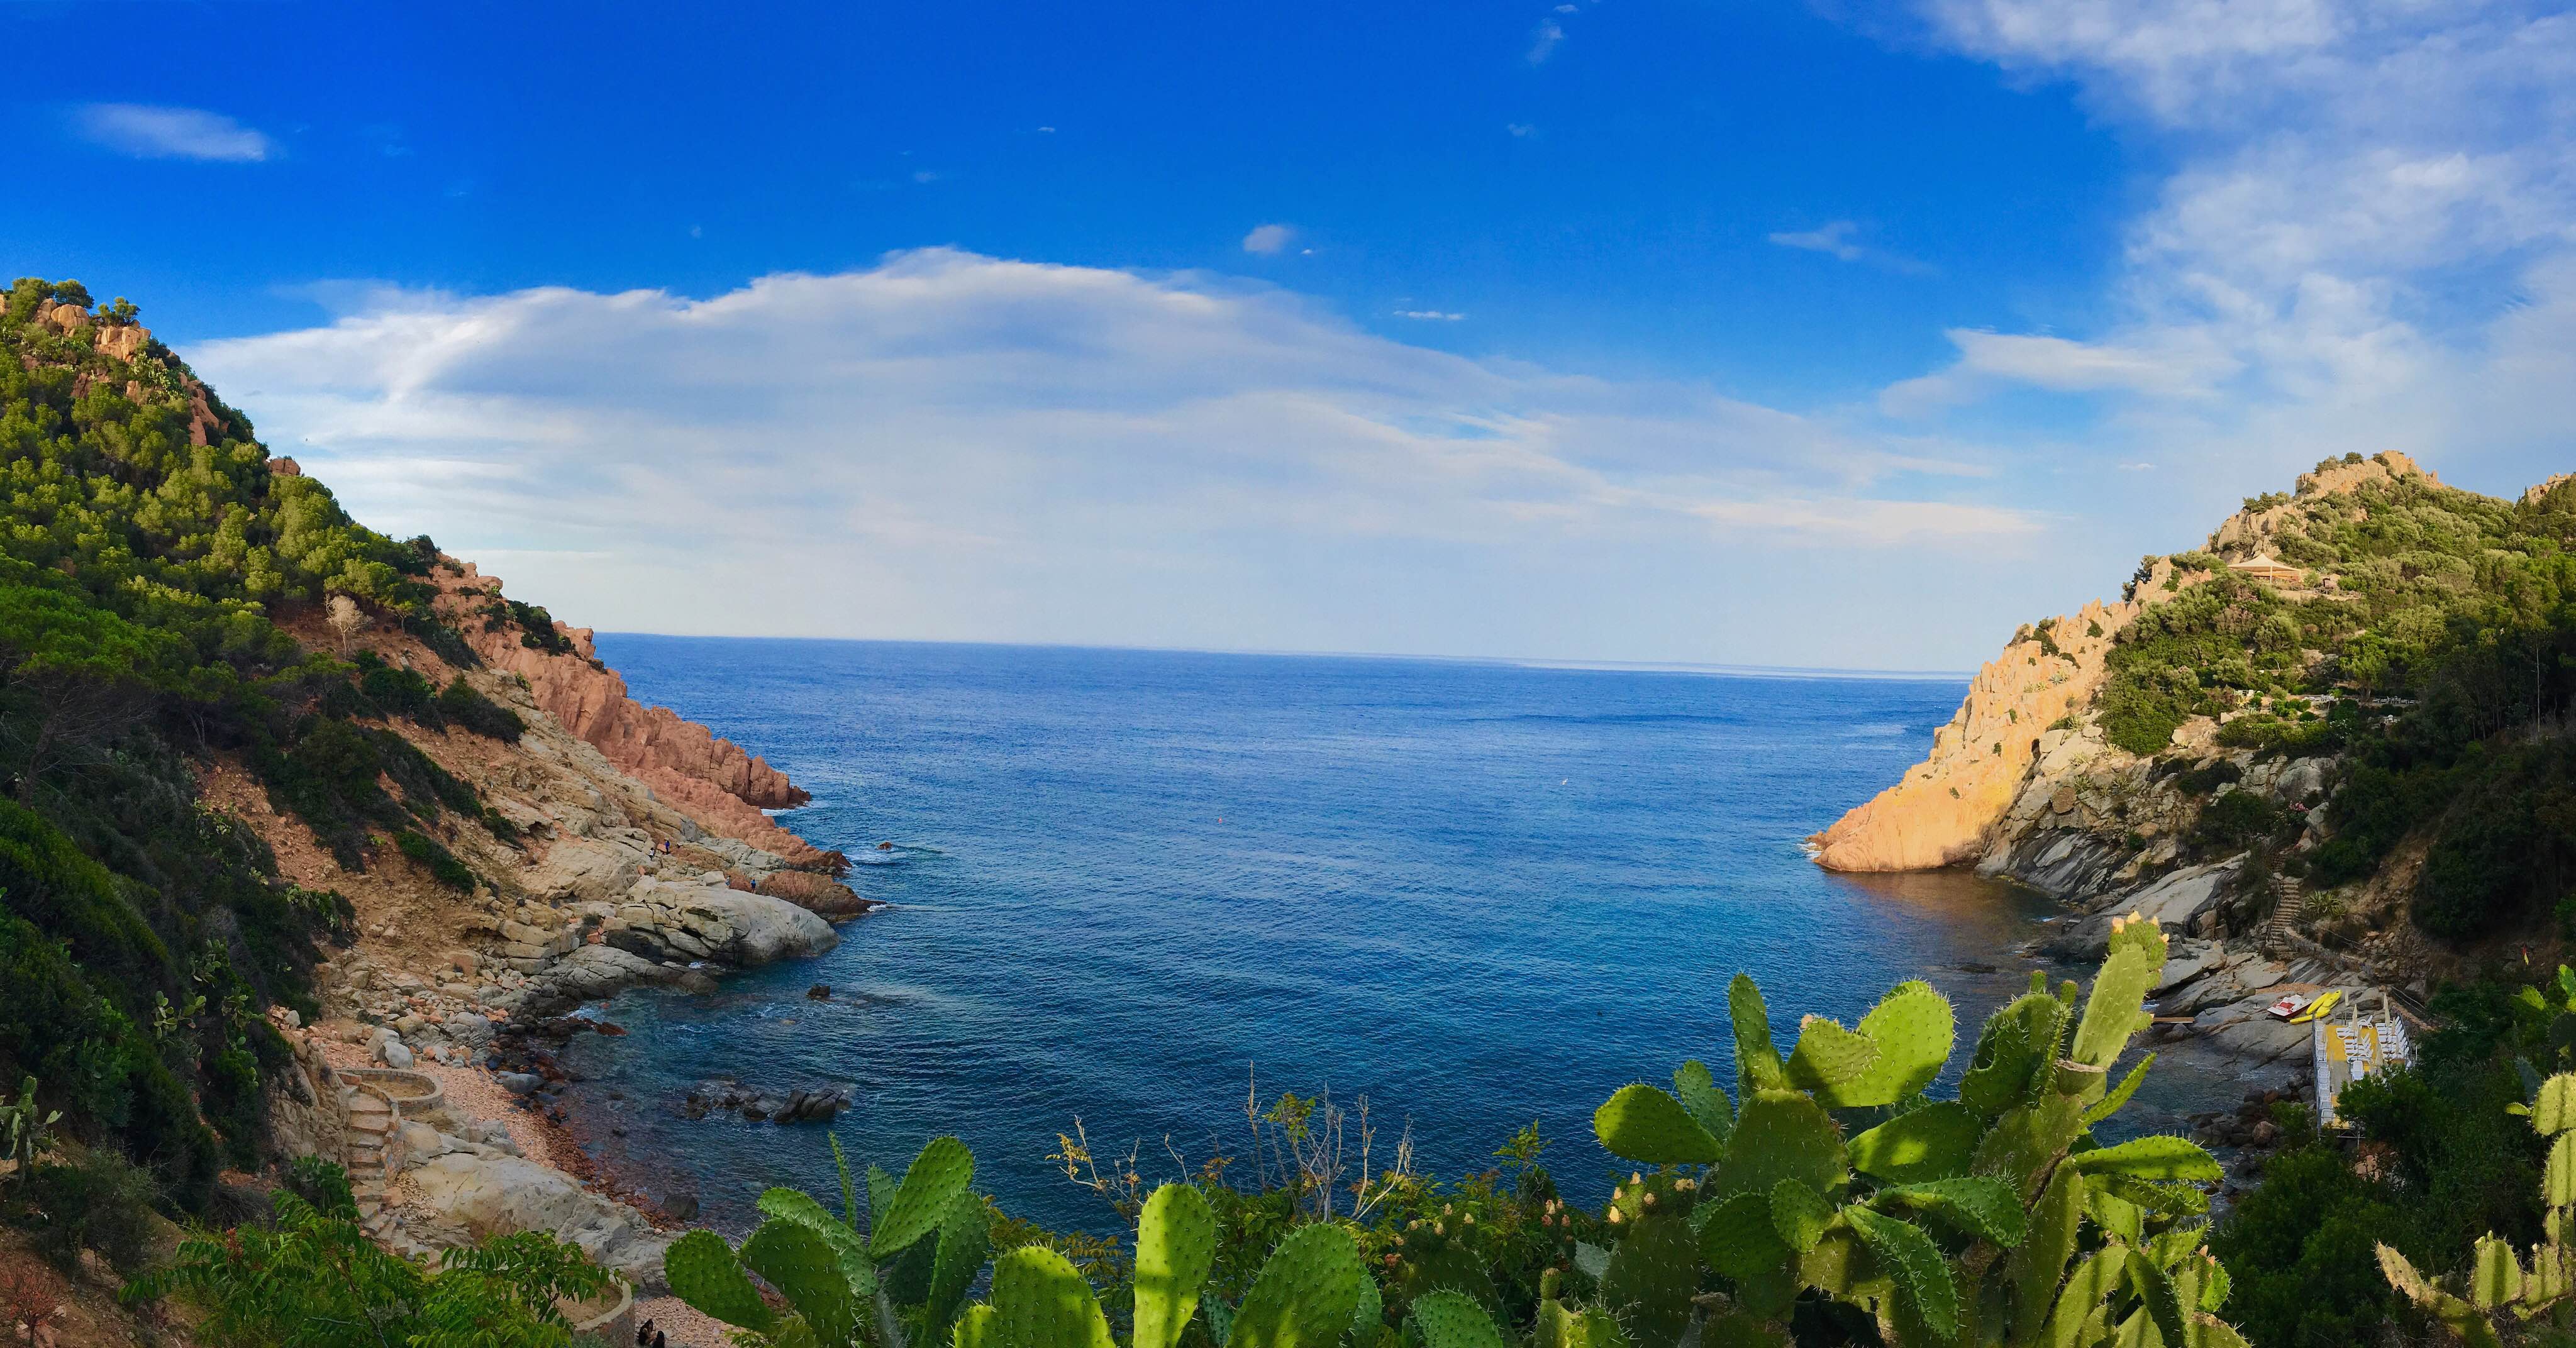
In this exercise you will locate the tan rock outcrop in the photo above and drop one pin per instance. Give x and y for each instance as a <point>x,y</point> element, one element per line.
<point>1949,808</point>
<point>1940,813</point>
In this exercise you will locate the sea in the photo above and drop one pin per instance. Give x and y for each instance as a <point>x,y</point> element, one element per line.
<point>1131,892</point>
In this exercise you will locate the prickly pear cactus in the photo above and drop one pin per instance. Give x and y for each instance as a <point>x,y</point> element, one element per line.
<point>942,1171</point>
<point>1175,1245</point>
<point>2498,1279</point>
<point>705,1274</point>
<point>1041,1301</point>
<point>1654,1273</point>
<point>1306,1294</point>
<point>1948,1221</point>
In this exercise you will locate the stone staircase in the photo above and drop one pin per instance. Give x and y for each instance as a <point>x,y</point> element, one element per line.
<point>2275,936</point>
<point>372,1154</point>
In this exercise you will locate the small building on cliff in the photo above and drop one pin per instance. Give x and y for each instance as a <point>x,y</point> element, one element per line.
<point>2265,567</point>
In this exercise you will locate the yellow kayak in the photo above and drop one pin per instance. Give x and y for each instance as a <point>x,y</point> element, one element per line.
<point>2325,1002</point>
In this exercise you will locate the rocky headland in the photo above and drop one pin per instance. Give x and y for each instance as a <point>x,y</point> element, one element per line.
<point>2037,779</point>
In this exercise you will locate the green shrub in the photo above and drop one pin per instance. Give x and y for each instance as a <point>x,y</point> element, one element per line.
<point>99,1201</point>
<point>441,863</point>
<point>316,1280</point>
<point>478,713</point>
<point>2237,819</point>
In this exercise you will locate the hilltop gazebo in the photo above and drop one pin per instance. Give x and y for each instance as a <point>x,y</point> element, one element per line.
<point>2264,566</point>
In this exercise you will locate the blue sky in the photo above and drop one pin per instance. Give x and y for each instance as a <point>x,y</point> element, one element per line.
<point>1752,332</point>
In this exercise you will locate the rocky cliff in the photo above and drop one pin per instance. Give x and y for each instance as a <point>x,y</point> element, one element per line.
<point>1942,811</point>
<point>711,779</point>
<point>2025,754</point>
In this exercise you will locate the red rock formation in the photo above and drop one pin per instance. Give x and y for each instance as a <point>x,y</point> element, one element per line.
<point>710,779</point>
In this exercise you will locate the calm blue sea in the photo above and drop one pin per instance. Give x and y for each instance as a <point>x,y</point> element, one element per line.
<point>1479,894</point>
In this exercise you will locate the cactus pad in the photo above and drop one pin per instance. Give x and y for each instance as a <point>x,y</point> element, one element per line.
<point>1934,1142</point>
<point>1979,1205</point>
<point>1644,1124</point>
<point>2553,1108</point>
<point>2082,1298</point>
<point>1739,1238</point>
<point>1558,1327</point>
<point>1782,1135</point>
<point>1698,1091</point>
<point>2117,1009</point>
<point>1910,1257</point>
<point>2164,1304</point>
<point>941,1172</point>
<point>1175,1243</point>
<point>703,1273</point>
<point>2154,1157</point>
<point>1913,1029</point>
<point>2558,1174</point>
<point>1828,1057</point>
<point>1653,1274</point>
<point>979,1327</point>
<point>2034,1267</point>
<point>1042,1302</point>
<point>1757,1059</point>
<point>1453,1320</point>
<point>2017,1042</point>
<point>1799,1214</point>
<point>1434,1263</point>
<point>965,1237</point>
<point>2120,1095</point>
<point>2495,1277</point>
<point>2028,1139</point>
<point>1306,1294</point>
<point>801,1264</point>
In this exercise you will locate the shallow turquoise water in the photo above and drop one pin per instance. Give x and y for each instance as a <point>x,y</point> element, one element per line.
<point>1479,894</point>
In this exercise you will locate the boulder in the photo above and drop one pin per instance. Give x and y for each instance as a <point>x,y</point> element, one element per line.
<point>391,1053</point>
<point>2174,901</point>
<point>594,971</point>
<point>584,870</point>
<point>499,1195</point>
<point>813,893</point>
<point>727,924</point>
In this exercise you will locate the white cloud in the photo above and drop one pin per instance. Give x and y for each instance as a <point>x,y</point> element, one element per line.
<point>951,445</point>
<point>1267,240</point>
<point>149,132</point>
<point>2363,243</point>
<point>1840,239</point>
<point>1520,129</point>
<point>1543,43</point>
<point>1834,238</point>
<point>1431,315</point>
<point>2059,365</point>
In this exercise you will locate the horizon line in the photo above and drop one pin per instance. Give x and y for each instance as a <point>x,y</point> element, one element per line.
<point>1707,669</point>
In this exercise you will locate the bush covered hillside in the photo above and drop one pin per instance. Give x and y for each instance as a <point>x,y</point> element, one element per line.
<point>2429,644</point>
<point>149,551</point>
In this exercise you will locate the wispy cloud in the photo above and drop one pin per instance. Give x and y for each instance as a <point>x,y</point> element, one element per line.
<point>149,132</point>
<point>2363,244</point>
<point>955,445</point>
<point>1834,238</point>
<point>1841,239</point>
<point>1268,240</point>
<point>1432,315</point>
<point>2177,369</point>
<point>1544,42</point>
